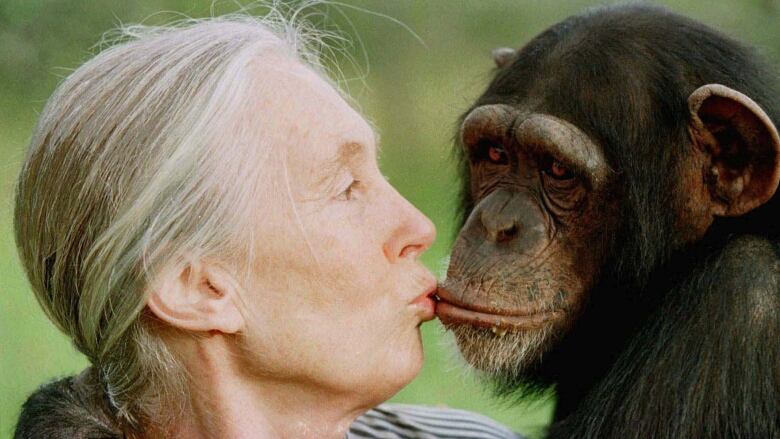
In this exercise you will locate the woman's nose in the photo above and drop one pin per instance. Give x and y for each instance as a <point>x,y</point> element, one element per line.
<point>414,233</point>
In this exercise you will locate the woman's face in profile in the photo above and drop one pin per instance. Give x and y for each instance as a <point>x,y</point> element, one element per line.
<point>339,291</point>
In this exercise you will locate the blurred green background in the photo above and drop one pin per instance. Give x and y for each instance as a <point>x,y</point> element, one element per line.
<point>412,91</point>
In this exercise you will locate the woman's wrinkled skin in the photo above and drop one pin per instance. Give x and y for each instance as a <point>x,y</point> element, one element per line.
<point>327,327</point>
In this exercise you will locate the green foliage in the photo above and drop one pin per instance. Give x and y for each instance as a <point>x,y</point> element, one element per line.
<point>413,92</point>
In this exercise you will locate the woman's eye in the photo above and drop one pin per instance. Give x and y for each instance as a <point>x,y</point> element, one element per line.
<point>558,171</point>
<point>348,193</point>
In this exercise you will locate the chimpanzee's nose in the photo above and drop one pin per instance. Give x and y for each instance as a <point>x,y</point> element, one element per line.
<point>499,219</point>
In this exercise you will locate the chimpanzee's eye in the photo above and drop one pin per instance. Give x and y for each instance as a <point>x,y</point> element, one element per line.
<point>492,152</point>
<point>558,171</point>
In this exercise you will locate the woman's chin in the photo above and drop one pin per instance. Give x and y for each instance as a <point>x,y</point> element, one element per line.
<point>397,371</point>
<point>408,370</point>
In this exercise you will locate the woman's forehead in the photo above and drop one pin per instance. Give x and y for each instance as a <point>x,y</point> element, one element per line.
<point>306,113</point>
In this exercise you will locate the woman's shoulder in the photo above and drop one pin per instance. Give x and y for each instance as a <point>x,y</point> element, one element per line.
<point>422,422</point>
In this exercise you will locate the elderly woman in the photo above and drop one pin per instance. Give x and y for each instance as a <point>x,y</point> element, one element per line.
<point>201,212</point>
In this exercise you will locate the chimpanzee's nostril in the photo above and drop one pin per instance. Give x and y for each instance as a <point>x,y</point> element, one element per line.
<point>506,234</point>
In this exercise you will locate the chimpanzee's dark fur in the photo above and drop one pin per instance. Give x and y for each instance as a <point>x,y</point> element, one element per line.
<point>677,341</point>
<point>69,408</point>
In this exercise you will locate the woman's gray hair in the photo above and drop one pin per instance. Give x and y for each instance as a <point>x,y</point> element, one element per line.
<point>139,163</point>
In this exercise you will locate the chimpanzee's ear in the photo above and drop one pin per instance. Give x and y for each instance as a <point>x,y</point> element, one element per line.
<point>743,148</point>
<point>502,56</point>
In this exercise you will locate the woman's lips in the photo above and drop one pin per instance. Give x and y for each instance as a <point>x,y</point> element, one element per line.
<point>425,304</point>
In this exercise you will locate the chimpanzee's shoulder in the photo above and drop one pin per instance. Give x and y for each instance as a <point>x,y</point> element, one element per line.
<point>745,278</point>
<point>752,246</point>
<point>750,259</point>
<point>67,408</point>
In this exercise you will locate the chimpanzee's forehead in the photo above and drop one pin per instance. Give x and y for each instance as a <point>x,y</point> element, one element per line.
<point>619,46</point>
<point>588,90</point>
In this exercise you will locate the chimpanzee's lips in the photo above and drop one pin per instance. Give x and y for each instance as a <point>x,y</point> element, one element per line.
<point>454,312</point>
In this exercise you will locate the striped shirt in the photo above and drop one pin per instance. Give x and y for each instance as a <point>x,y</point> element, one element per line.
<point>402,421</point>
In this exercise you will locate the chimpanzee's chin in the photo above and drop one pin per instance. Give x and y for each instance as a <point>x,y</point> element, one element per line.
<point>502,355</point>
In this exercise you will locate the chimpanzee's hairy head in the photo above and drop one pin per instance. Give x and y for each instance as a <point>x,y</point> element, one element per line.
<point>623,75</point>
<point>601,149</point>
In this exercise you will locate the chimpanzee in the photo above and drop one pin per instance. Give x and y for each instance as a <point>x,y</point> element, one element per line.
<point>621,234</point>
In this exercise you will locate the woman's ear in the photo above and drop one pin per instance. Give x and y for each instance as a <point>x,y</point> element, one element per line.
<point>201,297</point>
<point>742,143</point>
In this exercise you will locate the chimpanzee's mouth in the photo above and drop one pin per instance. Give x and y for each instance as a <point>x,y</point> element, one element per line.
<point>454,312</point>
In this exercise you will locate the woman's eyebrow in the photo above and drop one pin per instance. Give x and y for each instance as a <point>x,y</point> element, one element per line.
<point>347,155</point>
<point>349,152</point>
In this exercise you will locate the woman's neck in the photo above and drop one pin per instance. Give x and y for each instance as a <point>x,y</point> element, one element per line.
<point>225,404</point>
<point>225,409</point>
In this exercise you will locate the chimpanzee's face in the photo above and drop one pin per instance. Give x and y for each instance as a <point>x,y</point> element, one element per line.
<point>534,240</point>
<point>545,209</point>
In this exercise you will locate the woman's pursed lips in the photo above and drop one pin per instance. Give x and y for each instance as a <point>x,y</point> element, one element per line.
<point>425,302</point>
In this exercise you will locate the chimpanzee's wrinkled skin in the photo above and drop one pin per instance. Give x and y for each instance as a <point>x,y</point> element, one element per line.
<point>621,229</point>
